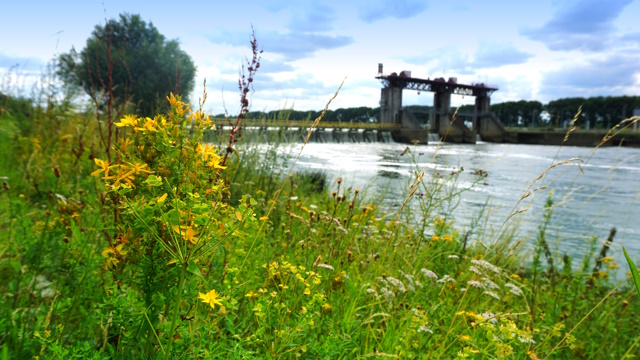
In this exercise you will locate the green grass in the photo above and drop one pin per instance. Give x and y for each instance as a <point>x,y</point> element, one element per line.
<point>300,270</point>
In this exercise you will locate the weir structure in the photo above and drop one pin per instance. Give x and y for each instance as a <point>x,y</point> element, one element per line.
<point>442,121</point>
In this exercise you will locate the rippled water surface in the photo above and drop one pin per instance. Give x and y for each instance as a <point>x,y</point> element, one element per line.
<point>603,196</point>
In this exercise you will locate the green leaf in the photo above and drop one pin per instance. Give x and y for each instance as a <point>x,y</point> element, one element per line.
<point>194,269</point>
<point>153,180</point>
<point>634,270</point>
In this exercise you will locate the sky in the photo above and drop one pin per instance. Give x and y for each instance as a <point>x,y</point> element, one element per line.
<point>531,50</point>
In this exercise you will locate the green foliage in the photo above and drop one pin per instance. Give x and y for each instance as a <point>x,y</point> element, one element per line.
<point>133,60</point>
<point>165,252</point>
<point>634,270</point>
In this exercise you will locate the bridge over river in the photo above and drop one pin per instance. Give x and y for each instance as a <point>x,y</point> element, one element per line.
<point>323,132</point>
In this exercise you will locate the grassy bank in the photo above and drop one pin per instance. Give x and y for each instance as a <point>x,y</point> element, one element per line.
<point>155,245</point>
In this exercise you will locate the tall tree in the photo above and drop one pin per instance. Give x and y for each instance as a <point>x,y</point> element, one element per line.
<point>130,61</point>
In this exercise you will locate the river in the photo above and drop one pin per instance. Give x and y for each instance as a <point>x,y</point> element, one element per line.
<point>591,199</point>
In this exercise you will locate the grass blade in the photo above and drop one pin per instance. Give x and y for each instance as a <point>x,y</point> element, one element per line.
<point>634,270</point>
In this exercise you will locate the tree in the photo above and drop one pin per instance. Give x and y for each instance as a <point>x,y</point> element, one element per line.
<point>131,62</point>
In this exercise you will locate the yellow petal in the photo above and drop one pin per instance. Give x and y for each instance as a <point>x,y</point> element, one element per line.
<point>162,198</point>
<point>239,215</point>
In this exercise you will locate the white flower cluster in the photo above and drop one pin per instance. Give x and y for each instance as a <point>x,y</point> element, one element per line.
<point>445,279</point>
<point>526,340</point>
<point>477,284</point>
<point>397,283</point>
<point>425,329</point>
<point>490,316</point>
<point>514,289</point>
<point>486,265</point>
<point>410,281</point>
<point>476,270</point>
<point>326,266</point>
<point>429,274</point>
<point>492,294</point>
<point>453,257</point>
<point>490,284</point>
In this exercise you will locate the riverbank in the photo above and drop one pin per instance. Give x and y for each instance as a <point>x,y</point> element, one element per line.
<point>577,138</point>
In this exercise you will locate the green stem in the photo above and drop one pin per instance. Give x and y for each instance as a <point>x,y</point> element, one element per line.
<point>176,309</point>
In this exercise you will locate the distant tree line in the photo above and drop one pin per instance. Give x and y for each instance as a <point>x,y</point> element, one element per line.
<point>597,112</point>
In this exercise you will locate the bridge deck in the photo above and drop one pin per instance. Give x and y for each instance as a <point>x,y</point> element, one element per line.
<point>307,124</point>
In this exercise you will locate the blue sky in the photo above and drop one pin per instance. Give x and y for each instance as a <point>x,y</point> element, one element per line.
<point>532,50</point>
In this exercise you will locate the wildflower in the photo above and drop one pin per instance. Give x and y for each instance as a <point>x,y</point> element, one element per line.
<point>187,233</point>
<point>453,257</point>
<point>408,277</point>
<point>326,266</point>
<point>492,294</point>
<point>526,340</point>
<point>149,125</point>
<point>486,265</point>
<point>162,198</point>
<point>137,168</point>
<point>447,238</point>
<point>446,279</point>
<point>112,253</point>
<point>212,298</point>
<point>123,177</point>
<point>429,274</point>
<point>127,120</point>
<point>435,238</point>
<point>490,284</point>
<point>477,284</point>
<point>516,277</point>
<point>489,316</point>
<point>326,307</point>
<point>104,167</point>
<point>251,294</point>
<point>465,337</point>
<point>371,291</point>
<point>397,283</point>
<point>514,289</point>
<point>475,270</point>
<point>425,329</point>
<point>307,291</point>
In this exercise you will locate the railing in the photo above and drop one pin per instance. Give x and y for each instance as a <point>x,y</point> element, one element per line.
<point>308,124</point>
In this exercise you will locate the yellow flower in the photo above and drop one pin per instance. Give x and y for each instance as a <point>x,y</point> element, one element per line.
<point>187,233</point>
<point>162,198</point>
<point>173,101</point>
<point>435,238</point>
<point>149,125</point>
<point>212,298</point>
<point>124,144</point>
<point>123,177</point>
<point>307,291</point>
<point>516,277</point>
<point>326,307</point>
<point>137,168</point>
<point>251,294</point>
<point>104,167</point>
<point>465,337</point>
<point>127,120</point>
<point>112,253</point>
<point>447,238</point>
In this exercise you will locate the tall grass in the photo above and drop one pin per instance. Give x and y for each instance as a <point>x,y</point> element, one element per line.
<point>176,249</point>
